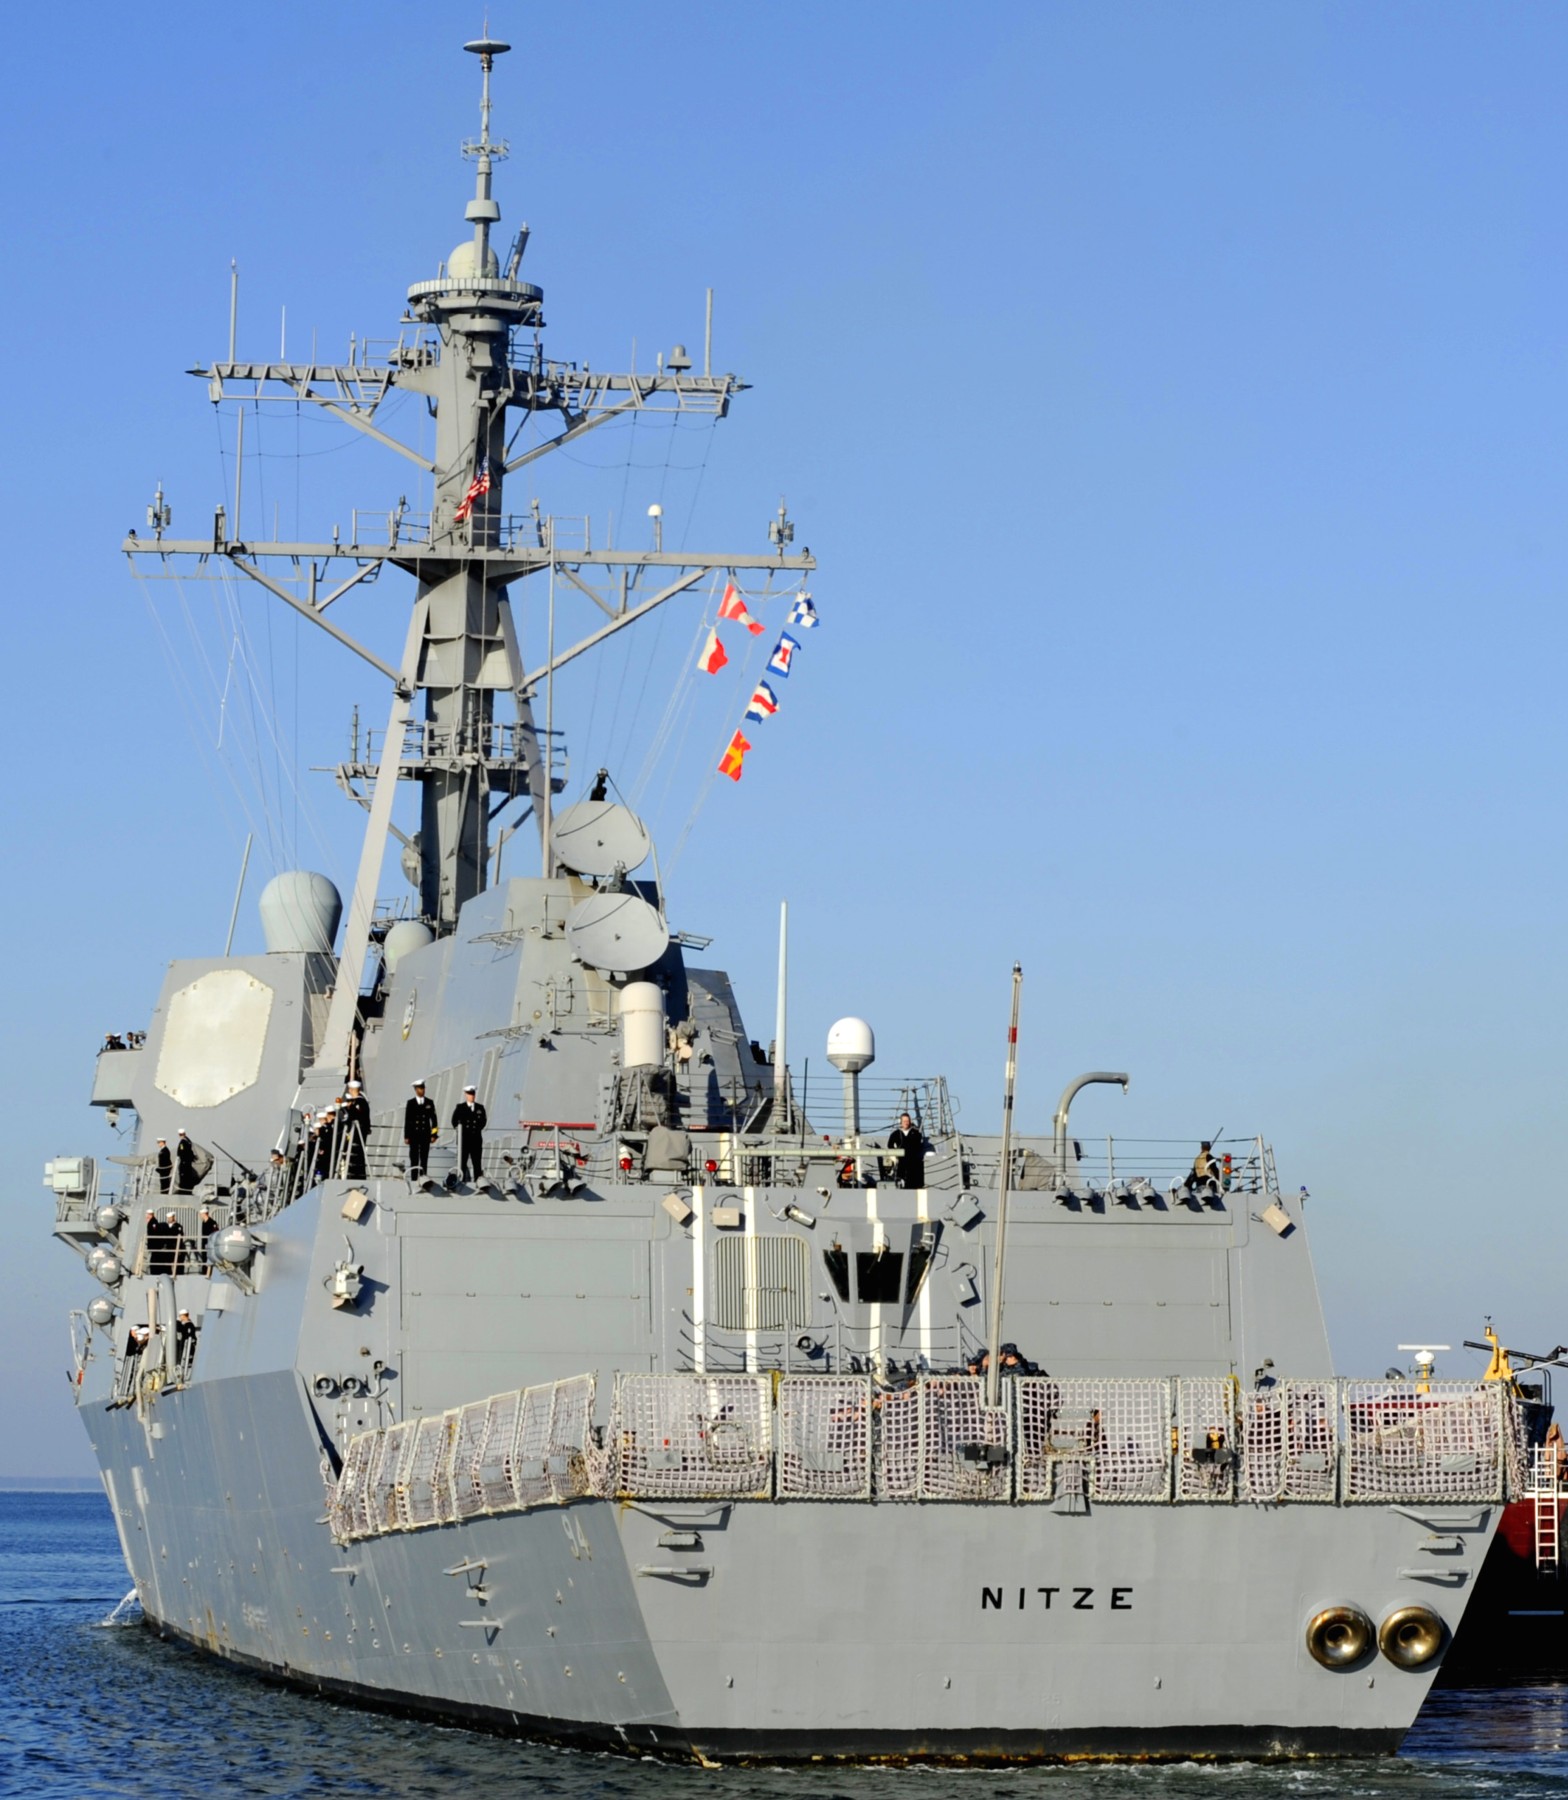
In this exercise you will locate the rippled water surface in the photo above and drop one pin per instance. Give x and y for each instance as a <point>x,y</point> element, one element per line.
<point>91,1712</point>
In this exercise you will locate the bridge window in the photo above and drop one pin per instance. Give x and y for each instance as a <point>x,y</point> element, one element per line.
<point>879,1275</point>
<point>837,1260</point>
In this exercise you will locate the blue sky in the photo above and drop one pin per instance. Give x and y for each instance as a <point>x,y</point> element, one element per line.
<point>1175,399</point>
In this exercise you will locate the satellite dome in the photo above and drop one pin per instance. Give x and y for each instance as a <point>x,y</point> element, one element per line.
<point>852,1046</point>
<point>462,264</point>
<point>405,935</point>
<point>299,911</point>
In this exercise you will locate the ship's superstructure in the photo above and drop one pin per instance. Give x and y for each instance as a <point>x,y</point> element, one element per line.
<point>670,1424</point>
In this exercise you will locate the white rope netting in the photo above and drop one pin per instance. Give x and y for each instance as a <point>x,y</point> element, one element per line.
<point>694,1436</point>
<point>1205,1438</point>
<point>1402,1444</point>
<point>824,1438</point>
<point>966,1446</point>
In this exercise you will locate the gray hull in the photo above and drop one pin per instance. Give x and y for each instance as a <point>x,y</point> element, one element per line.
<point>771,1630</point>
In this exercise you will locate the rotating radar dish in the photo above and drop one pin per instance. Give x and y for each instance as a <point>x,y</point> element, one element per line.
<point>619,933</point>
<point>595,837</point>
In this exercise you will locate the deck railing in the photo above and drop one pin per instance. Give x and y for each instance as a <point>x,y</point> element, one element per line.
<point>1177,1441</point>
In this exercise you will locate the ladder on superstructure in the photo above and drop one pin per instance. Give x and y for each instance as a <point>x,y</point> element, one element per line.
<point>1543,1489</point>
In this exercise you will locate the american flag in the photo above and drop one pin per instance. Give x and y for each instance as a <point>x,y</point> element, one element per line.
<point>479,485</point>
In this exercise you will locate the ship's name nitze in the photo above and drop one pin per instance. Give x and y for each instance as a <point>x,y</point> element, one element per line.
<point>1062,1599</point>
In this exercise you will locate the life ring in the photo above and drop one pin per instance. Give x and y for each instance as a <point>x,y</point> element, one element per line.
<point>1411,1636</point>
<point>1339,1636</point>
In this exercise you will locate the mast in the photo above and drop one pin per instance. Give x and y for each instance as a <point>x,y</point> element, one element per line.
<point>476,355</point>
<point>474,309</point>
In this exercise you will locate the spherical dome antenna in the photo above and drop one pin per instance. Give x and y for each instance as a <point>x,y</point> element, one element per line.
<point>463,263</point>
<point>852,1046</point>
<point>300,911</point>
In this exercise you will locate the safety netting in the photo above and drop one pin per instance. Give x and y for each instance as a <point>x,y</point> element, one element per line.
<point>346,1504</point>
<point>503,1454</point>
<point>490,1471</point>
<point>468,1442</point>
<point>1108,1439</point>
<point>1311,1449</point>
<point>425,1487</point>
<point>1206,1451</point>
<point>693,1436</point>
<point>397,1442</point>
<point>966,1446</point>
<point>1441,1441</point>
<point>824,1437</point>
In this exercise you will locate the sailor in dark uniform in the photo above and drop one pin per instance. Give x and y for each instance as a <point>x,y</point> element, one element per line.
<point>469,1121</point>
<point>173,1244</point>
<point>165,1165</point>
<point>185,1161</point>
<point>326,1138</point>
<point>419,1129</point>
<point>152,1242</point>
<point>910,1143</point>
<point>137,1342</point>
<point>185,1335</point>
<point>207,1225</point>
<point>354,1130</point>
<point>160,1246</point>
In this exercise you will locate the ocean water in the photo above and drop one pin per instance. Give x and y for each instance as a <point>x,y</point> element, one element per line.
<point>87,1711</point>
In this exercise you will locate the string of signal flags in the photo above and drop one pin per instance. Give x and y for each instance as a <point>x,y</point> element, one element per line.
<point>764,702</point>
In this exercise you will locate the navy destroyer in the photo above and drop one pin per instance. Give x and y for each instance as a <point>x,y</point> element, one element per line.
<point>656,1415</point>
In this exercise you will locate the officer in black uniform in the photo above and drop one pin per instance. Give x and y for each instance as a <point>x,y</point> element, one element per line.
<point>152,1242</point>
<point>910,1143</point>
<point>207,1225</point>
<point>354,1130</point>
<point>165,1162</point>
<point>185,1166</point>
<point>469,1121</point>
<point>419,1129</point>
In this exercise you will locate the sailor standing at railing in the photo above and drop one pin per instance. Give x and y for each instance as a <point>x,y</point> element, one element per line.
<point>910,1142</point>
<point>326,1135</point>
<point>419,1129</point>
<point>354,1122</point>
<point>164,1162</point>
<point>469,1120</point>
<point>137,1340</point>
<point>186,1171</point>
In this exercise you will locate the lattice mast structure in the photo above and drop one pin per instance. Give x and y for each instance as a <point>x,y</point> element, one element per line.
<point>475,368</point>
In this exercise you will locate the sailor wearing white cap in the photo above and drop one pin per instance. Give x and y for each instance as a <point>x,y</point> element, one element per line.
<point>169,1249</point>
<point>186,1173</point>
<point>469,1120</point>
<point>354,1130</point>
<point>419,1128</point>
<point>326,1141</point>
